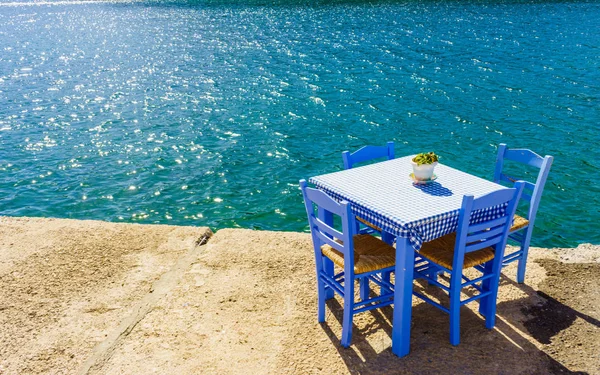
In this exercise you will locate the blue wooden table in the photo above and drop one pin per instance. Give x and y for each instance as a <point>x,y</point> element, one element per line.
<point>385,195</point>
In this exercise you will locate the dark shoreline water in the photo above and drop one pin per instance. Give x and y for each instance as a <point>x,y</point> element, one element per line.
<point>209,112</point>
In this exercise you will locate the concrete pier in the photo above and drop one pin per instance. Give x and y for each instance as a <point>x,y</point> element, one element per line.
<point>90,297</point>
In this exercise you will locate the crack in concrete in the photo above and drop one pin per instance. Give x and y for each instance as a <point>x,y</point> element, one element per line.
<point>103,352</point>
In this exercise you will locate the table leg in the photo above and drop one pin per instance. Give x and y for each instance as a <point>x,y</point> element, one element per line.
<point>405,263</point>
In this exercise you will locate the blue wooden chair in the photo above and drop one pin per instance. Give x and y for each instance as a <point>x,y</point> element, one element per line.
<point>479,246</point>
<point>523,225</point>
<point>360,257</point>
<point>369,154</point>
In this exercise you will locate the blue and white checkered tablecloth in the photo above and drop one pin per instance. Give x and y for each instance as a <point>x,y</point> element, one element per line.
<point>384,194</point>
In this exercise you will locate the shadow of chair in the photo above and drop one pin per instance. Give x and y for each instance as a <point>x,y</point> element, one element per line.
<point>483,351</point>
<point>549,317</point>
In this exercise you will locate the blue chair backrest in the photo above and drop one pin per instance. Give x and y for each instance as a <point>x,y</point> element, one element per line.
<point>321,223</point>
<point>532,192</point>
<point>367,153</point>
<point>492,232</point>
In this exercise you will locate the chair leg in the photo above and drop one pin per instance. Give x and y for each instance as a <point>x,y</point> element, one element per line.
<point>348,312</point>
<point>364,288</point>
<point>455,286</point>
<point>523,259</point>
<point>488,303</point>
<point>321,294</point>
<point>385,276</point>
<point>490,316</point>
<point>485,286</point>
<point>433,273</point>
<point>328,268</point>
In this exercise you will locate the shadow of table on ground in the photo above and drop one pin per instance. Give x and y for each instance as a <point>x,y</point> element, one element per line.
<point>504,350</point>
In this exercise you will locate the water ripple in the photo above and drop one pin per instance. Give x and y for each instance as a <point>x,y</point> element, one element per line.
<point>209,112</point>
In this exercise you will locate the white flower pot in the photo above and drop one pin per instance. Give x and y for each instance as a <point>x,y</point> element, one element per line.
<point>423,172</point>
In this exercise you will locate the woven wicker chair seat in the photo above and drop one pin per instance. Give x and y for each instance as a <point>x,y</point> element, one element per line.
<point>441,251</point>
<point>518,223</point>
<point>370,254</point>
<point>370,225</point>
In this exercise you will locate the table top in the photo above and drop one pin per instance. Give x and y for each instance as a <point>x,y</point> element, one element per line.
<point>385,194</point>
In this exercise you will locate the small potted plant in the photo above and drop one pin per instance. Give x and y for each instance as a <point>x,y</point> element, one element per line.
<point>423,165</point>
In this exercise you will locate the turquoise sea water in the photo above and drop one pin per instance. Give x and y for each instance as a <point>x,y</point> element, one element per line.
<point>208,112</point>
